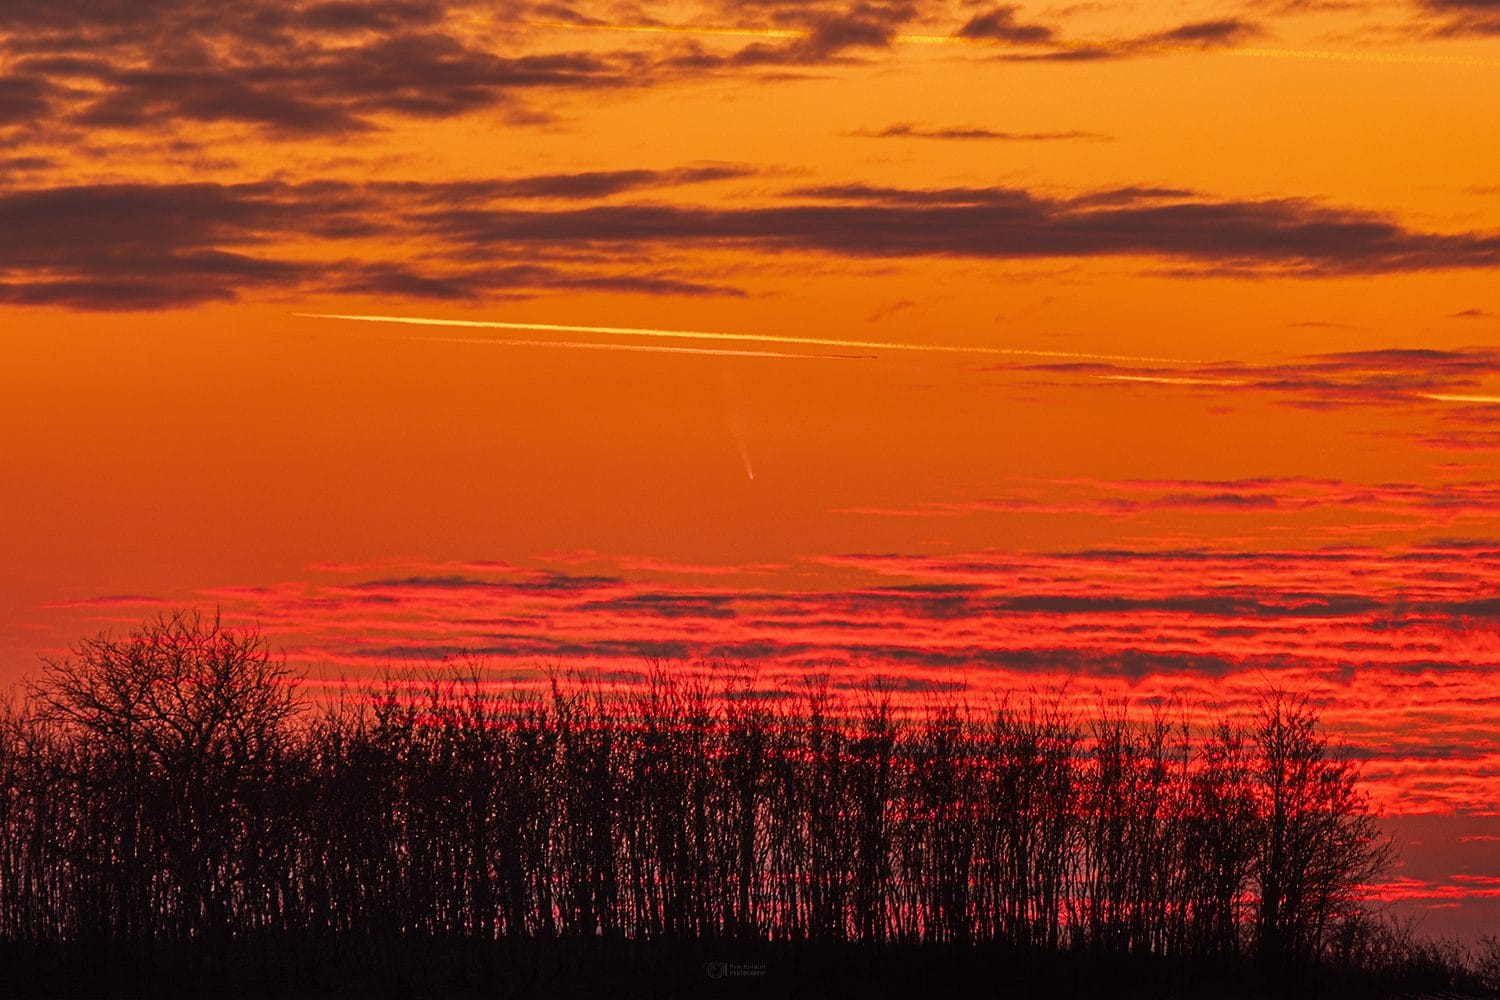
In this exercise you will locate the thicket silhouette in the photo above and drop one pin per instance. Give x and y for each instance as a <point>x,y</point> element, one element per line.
<point>172,789</point>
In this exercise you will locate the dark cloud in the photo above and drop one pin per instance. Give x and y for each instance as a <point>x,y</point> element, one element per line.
<point>829,32</point>
<point>906,130</point>
<point>1223,31</point>
<point>1355,377</point>
<point>1000,24</point>
<point>648,650</point>
<point>1215,33</point>
<point>287,68</point>
<point>152,245</point>
<point>1071,54</point>
<point>582,185</point>
<point>1127,663</point>
<point>828,44</point>
<point>1410,359</point>
<point>836,33</point>
<point>46,224</point>
<point>337,91</point>
<point>398,281</point>
<point>1207,556</point>
<point>1132,498</point>
<point>139,246</point>
<point>25,98</point>
<point>1212,501</point>
<point>1286,235</point>
<point>1483,608</point>
<point>906,604</point>
<point>931,589</point>
<point>1131,193</point>
<point>837,19</point>
<point>913,196</point>
<point>1463,17</point>
<point>1290,605</point>
<point>563,14</point>
<point>361,15</point>
<point>1126,614</point>
<point>146,246</point>
<point>535,583</point>
<point>1430,378</point>
<point>660,605</point>
<point>22,164</point>
<point>96,294</point>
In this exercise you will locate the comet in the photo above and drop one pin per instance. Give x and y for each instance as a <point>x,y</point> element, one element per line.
<point>734,416</point>
<point>745,456</point>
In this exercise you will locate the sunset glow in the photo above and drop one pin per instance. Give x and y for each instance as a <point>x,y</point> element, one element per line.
<point>1107,349</point>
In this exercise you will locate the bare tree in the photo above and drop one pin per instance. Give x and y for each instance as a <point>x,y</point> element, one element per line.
<point>1319,843</point>
<point>180,726</point>
<point>1220,836</point>
<point>164,787</point>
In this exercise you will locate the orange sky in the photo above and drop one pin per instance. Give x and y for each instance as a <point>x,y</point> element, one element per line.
<point>1212,398</point>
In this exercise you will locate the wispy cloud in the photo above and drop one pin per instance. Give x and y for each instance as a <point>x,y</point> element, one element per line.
<point>1461,17</point>
<point>1370,507</point>
<point>962,133</point>
<point>1395,377</point>
<point>1383,636</point>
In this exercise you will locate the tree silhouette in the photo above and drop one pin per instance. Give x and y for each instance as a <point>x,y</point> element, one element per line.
<point>172,737</point>
<point>1319,844</point>
<point>171,789</point>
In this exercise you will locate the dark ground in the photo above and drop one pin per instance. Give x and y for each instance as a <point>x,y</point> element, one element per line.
<point>349,967</point>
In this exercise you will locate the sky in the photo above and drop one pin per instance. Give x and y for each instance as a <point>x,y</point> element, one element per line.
<point>1142,350</point>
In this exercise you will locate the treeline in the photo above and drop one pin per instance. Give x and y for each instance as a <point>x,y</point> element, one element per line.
<point>173,790</point>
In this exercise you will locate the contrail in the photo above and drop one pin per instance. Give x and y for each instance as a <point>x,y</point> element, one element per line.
<point>1444,397</point>
<point>628,331</point>
<point>713,352</point>
<point>1172,379</point>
